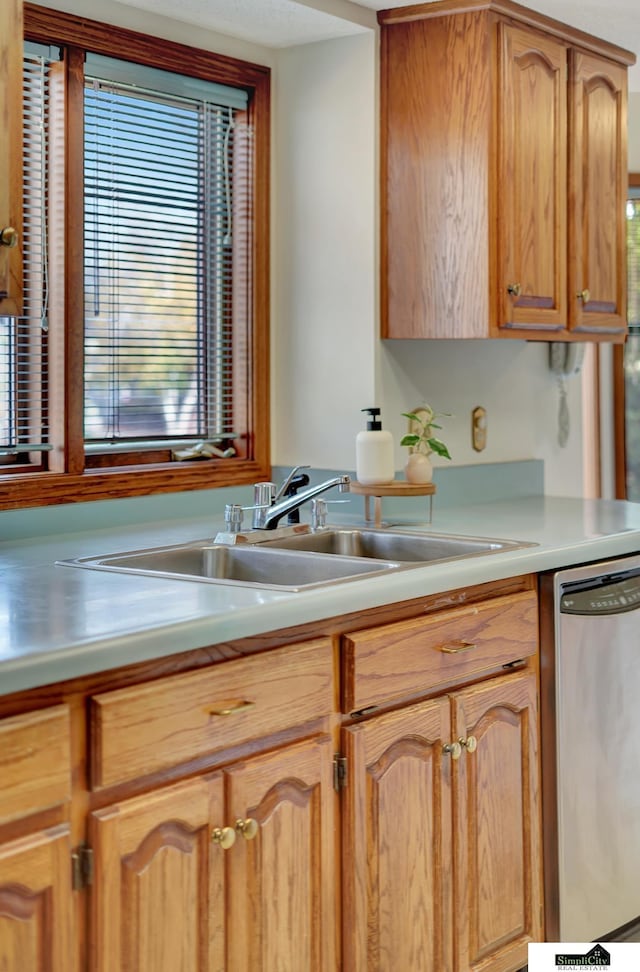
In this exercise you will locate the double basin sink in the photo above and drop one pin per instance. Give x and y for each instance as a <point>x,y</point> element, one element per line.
<point>298,561</point>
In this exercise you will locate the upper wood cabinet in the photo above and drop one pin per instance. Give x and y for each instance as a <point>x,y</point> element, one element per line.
<point>503,176</point>
<point>11,158</point>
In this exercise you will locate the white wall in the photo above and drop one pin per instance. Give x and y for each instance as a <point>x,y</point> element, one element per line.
<point>324,250</point>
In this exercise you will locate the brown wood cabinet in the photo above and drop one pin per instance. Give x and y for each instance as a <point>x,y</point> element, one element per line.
<point>192,876</point>
<point>503,176</point>
<point>11,160</point>
<point>229,814</point>
<point>442,843</point>
<point>36,908</point>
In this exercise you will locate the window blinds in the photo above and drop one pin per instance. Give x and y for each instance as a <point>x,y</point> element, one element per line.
<point>633,258</point>
<point>23,340</point>
<point>164,184</point>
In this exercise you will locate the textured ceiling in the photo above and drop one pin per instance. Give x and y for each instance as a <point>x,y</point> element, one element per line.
<point>283,23</point>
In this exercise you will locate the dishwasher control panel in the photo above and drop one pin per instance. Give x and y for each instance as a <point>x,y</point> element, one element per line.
<point>612,594</point>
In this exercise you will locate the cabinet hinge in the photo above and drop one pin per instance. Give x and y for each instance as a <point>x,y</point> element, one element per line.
<point>81,867</point>
<point>339,772</point>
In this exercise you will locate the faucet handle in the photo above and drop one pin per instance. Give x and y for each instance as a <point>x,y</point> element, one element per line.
<point>319,512</point>
<point>264,496</point>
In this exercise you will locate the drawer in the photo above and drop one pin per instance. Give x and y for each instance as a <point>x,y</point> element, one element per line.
<point>35,762</point>
<point>403,659</point>
<point>148,728</point>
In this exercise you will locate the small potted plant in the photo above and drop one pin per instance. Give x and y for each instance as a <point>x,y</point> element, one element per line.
<point>422,442</point>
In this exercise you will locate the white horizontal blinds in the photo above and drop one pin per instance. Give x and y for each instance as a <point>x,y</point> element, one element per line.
<point>159,186</point>
<point>23,340</point>
<point>633,258</point>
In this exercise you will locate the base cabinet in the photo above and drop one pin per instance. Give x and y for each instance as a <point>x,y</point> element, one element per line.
<point>441,833</point>
<point>263,815</point>
<point>36,907</point>
<point>193,877</point>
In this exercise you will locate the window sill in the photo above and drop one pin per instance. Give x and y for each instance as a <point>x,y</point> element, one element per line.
<point>21,491</point>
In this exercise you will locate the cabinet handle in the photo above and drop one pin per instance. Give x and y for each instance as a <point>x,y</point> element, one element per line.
<point>455,647</point>
<point>453,749</point>
<point>9,237</point>
<point>231,708</point>
<point>225,836</point>
<point>584,296</point>
<point>514,289</point>
<point>470,744</point>
<point>247,828</point>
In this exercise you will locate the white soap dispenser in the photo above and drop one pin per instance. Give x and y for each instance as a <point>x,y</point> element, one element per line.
<point>374,452</point>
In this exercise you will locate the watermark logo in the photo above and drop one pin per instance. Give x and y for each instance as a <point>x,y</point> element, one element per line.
<point>598,957</point>
<point>584,957</point>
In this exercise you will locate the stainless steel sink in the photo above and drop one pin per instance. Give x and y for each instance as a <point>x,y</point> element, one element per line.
<point>244,565</point>
<point>393,545</point>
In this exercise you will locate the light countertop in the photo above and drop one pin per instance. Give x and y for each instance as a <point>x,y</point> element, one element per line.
<point>59,622</point>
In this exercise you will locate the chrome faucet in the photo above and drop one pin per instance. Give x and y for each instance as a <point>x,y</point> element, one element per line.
<point>267,516</point>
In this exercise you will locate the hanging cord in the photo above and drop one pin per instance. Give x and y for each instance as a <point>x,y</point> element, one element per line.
<point>228,237</point>
<point>563,413</point>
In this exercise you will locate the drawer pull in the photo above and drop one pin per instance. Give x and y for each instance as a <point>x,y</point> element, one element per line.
<point>455,647</point>
<point>225,836</point>
<point>247,828</point>
<point>470,744</point>
<point>231,708</point>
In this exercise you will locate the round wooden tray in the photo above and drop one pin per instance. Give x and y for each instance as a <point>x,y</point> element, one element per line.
<point>396,488</point>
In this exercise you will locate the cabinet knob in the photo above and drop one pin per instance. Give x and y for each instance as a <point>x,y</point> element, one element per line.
<point>247,828</point>
<point>514,289</point>
<point>470,744</point>
<point>584,296</point>
<point>454,750</point>
<point>9,237</point>
<point>225,836</point>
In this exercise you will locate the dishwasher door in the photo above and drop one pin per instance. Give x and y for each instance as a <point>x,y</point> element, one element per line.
<point>597,701</point>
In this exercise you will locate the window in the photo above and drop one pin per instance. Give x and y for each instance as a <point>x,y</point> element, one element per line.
<point>141,363</point>
<point>627,364</point>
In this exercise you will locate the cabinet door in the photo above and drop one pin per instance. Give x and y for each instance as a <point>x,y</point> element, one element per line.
<point>36,908</point>
<point>497,864</point>
<point>397,842</point>
<point>530,196</point>
<point>282,882</point>
<point>11,162</point>
<point>597,195</point>
<point>158,896</point>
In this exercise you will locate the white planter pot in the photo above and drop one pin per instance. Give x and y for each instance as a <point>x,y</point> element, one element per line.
<point>418,468</point>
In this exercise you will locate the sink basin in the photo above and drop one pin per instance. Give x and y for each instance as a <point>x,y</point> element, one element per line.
<point>243,565</point>
<point>392,545</point>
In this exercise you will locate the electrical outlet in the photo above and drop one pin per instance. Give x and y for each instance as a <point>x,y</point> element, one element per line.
<point>479,428</point>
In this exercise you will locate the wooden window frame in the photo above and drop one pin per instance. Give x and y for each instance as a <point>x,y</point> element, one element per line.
<point>619,432</point>
<point>71,477</point>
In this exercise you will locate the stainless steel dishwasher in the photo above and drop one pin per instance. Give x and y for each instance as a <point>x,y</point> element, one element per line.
<point>590,708</point>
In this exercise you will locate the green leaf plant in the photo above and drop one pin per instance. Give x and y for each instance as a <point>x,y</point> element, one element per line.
<point>423,440</point>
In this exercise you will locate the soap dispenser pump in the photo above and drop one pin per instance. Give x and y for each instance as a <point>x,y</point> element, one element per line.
<point>374,452</point>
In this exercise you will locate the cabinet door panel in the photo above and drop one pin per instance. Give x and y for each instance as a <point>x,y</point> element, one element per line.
<point>158,893</point>
<point>282,882</point>
<point>530,196</point>
<point>397,842</point>
<point>35,904</point>
<point>497,879</point>
<point>597,246</point>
